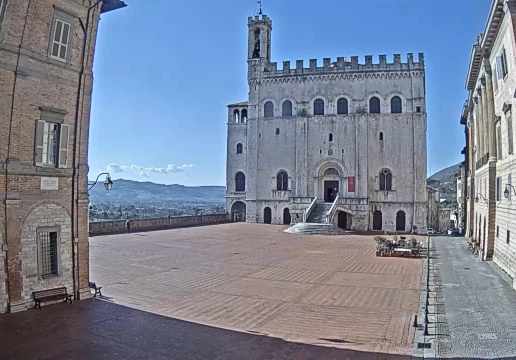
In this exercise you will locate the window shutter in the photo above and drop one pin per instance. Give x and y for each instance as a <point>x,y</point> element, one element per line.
<point>495,78</point>
<point>63,145</point>
<point>504,63</point>
<point>499,67</point>
<point>39,142</point>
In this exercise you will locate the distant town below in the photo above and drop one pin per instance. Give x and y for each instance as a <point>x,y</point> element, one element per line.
<point>132,199</point>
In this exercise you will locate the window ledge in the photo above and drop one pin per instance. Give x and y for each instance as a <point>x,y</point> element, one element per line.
<point>48,277</point>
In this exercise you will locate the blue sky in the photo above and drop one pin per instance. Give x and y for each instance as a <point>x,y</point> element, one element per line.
<point>166,69</point>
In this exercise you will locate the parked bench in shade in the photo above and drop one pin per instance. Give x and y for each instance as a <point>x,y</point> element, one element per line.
<point>96,288</point>
<point>49,295</point>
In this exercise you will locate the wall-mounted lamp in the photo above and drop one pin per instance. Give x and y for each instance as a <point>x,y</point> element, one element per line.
<point>108,183</point>
<point>507,193</point>
<point>482,196</point>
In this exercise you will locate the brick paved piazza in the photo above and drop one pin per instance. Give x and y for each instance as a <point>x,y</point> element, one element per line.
<point>256,278</point>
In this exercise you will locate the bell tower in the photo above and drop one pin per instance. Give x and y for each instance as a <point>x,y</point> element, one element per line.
<point>259,45</point>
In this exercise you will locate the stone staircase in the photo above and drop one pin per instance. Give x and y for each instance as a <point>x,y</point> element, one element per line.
<point>318,214</point>
<point>315,229</point>
<point>316,223</point>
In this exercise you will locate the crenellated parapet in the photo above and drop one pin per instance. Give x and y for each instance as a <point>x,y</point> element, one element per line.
<point>343,65</point>
<point>263,19</point>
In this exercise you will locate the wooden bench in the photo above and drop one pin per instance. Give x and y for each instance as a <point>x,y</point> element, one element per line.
<point>51,294</point>
<point>96,288</point>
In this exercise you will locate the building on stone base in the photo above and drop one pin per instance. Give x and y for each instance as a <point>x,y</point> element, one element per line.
<point>43,222</point>
<point>342,138</point>
<point>489,119</point>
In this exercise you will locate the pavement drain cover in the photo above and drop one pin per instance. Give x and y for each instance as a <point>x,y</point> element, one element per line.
<point>487,336</point>
<point>424,345</point>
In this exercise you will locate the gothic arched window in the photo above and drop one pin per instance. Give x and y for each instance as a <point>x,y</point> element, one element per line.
<point>396,105</point>
<point>385,179</point>
<point>240,148</point>
<point>243,118</point>
<point>268,109</point>
<point>319,107</point>
<point>286,108</point>
<point>236,116</point>
<point>342,106</point>
<point>239,181</point>
<point>374,105</point>
<point>282,180</point>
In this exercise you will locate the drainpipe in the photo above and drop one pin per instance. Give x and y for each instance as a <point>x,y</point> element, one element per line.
<point>85,29</point>
<point>6,264</point>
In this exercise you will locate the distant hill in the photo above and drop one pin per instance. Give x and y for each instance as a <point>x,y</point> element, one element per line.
<point>132,192</point>
<point>445,181</point>
<point>446,174</point>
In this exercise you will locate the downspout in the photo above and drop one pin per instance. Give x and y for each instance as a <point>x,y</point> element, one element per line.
<point>74,159</point>
<point>6,264</point>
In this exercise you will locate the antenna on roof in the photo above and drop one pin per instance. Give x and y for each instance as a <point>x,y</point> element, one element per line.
<point>260,3</point>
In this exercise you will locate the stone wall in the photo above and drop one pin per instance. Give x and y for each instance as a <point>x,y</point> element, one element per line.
<point>3,285</point>
<point>118,226</point>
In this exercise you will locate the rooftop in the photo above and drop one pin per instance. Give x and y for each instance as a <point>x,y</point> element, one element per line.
<point>242,103</point>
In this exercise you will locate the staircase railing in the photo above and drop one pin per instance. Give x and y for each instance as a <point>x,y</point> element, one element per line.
<point>332,210</point>
<point>309,209</point>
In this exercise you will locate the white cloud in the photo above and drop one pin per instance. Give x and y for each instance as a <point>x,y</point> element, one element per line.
<point>144,171</point>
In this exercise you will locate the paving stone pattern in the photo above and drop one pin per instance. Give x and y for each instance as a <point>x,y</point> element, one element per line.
<point>255,278</point>
<point>96,329</point>
<point>476,314</point>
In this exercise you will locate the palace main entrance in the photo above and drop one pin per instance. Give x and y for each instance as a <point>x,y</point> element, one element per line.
<point>331,189</point>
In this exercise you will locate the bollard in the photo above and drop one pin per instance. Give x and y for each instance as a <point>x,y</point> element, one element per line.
<point>415,321</point>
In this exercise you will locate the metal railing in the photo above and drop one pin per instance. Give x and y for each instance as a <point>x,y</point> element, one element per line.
<point>309,209</point>
<point>332,210</point>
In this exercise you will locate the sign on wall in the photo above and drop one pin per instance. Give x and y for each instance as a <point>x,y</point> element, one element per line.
<point>49,183</point>
<point>351,184</point>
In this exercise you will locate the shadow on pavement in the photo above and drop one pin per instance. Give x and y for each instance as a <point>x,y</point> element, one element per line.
<point>93,329</point>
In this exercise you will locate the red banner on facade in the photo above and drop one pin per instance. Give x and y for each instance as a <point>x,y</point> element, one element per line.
<point>351,184</point>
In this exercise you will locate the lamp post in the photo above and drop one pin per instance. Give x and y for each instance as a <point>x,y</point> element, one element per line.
<point>108,183</point>
<point>507,192</point>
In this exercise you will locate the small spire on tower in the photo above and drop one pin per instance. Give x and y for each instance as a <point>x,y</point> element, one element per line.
<point>260,3</point>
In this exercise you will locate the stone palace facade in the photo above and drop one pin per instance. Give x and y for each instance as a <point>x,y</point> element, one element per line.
<point>348,134</point>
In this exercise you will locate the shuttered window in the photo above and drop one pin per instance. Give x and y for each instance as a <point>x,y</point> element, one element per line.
<point>52,144</point>
<point>501,65</point>
<point>60,41</point>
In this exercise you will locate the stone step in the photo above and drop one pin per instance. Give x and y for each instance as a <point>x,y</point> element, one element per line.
<point>315,229</point>
<point>318,214</point>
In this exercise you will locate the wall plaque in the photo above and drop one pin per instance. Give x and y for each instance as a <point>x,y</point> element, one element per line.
<point>49,183</point>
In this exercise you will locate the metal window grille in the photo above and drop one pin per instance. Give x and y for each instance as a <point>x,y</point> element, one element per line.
<point>48,248</point>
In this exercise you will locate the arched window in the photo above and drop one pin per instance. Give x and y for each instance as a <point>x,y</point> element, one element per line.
<point>286,108</point>
<point>396,105</point>
<point>319,107</point>
<point>282,181</point>
<point>236,115</point>
<point>342,106</point>
<point>240,148</point>
<point>374,105</point>
<point>239,181</point>
<point>277,131</point>
<point>330,137</point>
<point>331,172</point>
<point>268,109</point>
<point>244,116</point>
<point>381,136</point>
<point>386,180</point>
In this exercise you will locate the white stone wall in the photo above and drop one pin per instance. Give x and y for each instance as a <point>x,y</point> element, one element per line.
<point>505,253</point>
<point>303,149</point>
<point>4,299</point>
<point>46,215</point>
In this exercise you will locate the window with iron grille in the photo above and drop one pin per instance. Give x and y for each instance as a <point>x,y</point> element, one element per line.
<point>48,253</point>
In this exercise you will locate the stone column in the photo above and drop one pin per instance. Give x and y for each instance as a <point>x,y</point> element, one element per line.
<point>490,110</point>
<point>478,142</point>
<point>485,117</point>
<point>482,128</point>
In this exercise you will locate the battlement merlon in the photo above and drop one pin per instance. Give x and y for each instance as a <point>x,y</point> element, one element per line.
<point>352,65</point>
<point>258,20</point>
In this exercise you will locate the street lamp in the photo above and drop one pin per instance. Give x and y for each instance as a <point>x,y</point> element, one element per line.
<point>108,183</point>
<point>507,193</point>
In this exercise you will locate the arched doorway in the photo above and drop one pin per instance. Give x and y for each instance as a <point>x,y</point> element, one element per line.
<point>342,220</point>
<point>286,217</point>
<point>400,220</point>
<point>377,220</point>
<point>238,211</point>
<point>267,215</point>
